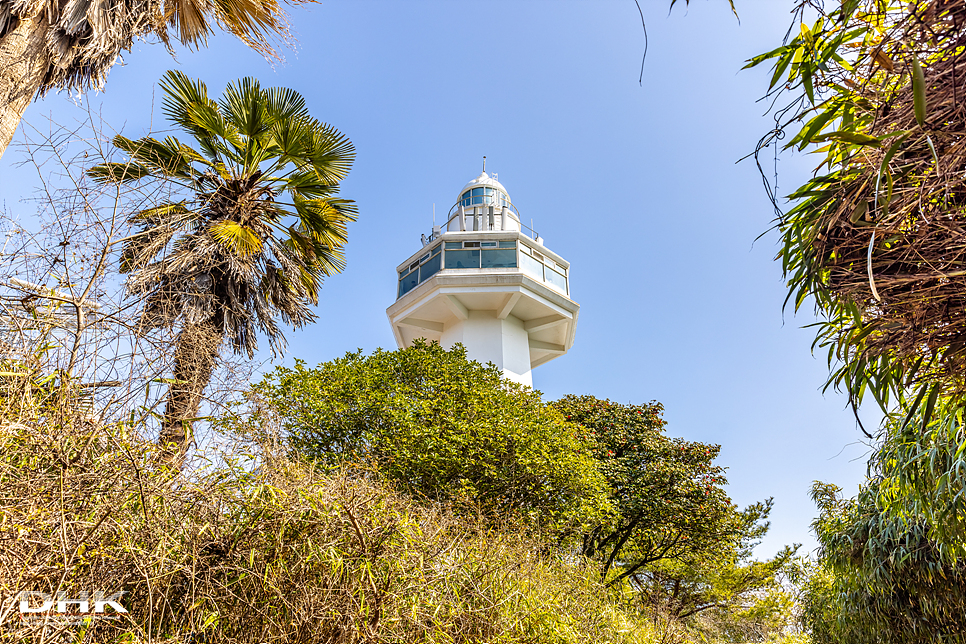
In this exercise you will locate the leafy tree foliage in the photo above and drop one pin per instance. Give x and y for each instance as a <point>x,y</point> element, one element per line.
<point>442,427</point>
<point>255,230</point>
<point>741,598</point>
<point>875,238</point>
<point>667,492</point>
<point>650,510</point>
<point>880,579</point>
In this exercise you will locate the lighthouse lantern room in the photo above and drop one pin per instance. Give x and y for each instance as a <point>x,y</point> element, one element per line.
<point>486,280</point>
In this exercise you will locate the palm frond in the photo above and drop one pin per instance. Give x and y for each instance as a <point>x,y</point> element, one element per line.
<point>186,103</point>
<point>118,172</point>
<point>286,104</point>
<point>189,20</point>
<point>240,240</point>
<point>292,137</point>
<point>314,251</point>
<point>255,22</point>
<point>169,157</point>
<point>244,106</point>
<point>209,120</point>
<point>140,249</point>
<point>180,92</point>
<point>331,153</point>
<point>166,213</point>
<point>326,218</point>
<point>306,184</point>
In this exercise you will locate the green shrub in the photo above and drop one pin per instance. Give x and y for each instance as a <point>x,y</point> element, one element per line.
<point>445,428</point>
<point>880,579</point>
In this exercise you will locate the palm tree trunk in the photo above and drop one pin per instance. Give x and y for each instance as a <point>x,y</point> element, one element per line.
<point>23,63</point>
<point>194,362</point>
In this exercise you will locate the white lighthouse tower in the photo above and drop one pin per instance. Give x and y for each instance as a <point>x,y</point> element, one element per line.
<point>487,281</point>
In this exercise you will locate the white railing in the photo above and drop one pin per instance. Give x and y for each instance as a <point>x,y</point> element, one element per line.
<point>484,220</point>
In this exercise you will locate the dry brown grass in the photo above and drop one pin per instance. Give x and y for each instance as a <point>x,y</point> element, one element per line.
<point>248,548</point>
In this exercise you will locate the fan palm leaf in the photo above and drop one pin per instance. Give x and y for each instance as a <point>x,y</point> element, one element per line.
<point>72,44</point>
<point>260,228</point>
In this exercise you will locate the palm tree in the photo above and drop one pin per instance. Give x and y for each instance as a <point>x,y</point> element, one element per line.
<point>72,44</point>
<point>258,230</point>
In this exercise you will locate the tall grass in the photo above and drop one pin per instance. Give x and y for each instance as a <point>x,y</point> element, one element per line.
<point>251,548</point>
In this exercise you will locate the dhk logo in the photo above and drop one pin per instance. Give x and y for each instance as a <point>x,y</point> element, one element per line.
<point>85,604</point>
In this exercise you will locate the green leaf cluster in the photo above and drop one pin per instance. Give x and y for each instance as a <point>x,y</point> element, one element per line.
<point>667,492</point>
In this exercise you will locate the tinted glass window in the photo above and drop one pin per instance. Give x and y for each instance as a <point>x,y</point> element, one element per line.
<point>462,259</point>
<point>499,258</point>
<point>429,269</point>
<point>407,283</point>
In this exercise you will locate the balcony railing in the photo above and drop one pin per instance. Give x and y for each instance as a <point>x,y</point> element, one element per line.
<point>484,219</point>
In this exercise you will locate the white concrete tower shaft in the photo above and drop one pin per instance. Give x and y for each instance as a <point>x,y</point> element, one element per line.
<point>485,280</point>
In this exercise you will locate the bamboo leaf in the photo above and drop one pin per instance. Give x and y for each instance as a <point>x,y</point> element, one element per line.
<point>930,405</point>
<point>850,136</point>
<point>919,91</point>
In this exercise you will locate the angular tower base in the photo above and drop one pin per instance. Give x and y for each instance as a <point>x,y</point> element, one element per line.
<point>487,338</point>
<point>504,317</point>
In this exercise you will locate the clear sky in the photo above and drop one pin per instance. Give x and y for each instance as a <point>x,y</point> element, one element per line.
<point>636,185</point>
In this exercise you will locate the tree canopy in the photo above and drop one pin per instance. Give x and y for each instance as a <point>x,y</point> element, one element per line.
<point>667,492</point>
<point>739,598</point>
<point>444,428</point>
<point>646,512</point>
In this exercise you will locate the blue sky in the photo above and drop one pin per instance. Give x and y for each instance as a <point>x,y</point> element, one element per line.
<point>636,185</point>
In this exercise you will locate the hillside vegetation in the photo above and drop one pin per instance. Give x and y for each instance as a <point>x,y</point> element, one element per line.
<point>256,543</point>
<point>253,548</point>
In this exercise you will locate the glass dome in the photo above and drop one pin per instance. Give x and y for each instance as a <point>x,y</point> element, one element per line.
<point>483,204</point>
<point>484,191</point>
